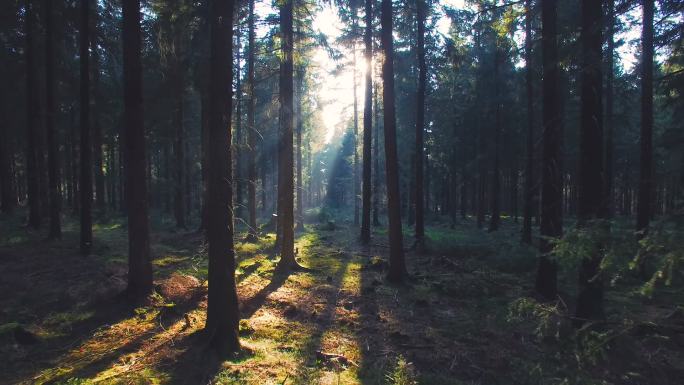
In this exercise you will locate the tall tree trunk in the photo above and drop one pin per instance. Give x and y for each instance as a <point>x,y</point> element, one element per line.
<point>8,194</point>
<point>53,150</point>
<point>139,265</point>
<point>355,195</point>
<point>222,302</point>
<point>285,164</point>
<point>376,161</point>
<point>237,159</point>
<point>32,119</point>
<point>397,270</point>
<point>96,128</point>
<point>552,177</point>
<point>179,145</point>
<point>530,177</point>
<point>608,121</point>
<point>495,218</point>
<point>591,205</point>
<point>300,126</point>
<point>644,203</point>
<point>251,134</point>
<point>420,125</point>
<point>367,125</point>
<point>86,171</point>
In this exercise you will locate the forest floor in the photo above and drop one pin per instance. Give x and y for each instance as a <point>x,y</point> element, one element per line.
<point>456,321</point>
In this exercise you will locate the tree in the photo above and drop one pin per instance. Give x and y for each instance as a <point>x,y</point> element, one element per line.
<point>397,270</point>
<point>591,203</point>
<point>96,109</point>
<point>367,125</point>
<point>178,84</point>
<point>32,135</point>
<point>53,150</point>
<point>552,176</point>
<point>86,172</point>
<point>420,125</point>
<point>285,138</point>
<point>222,302</point>
<point>530,179</point>
<point>251,134</point>
<point>646,154</point>
<point>608,121</point>
<point>139,265</point>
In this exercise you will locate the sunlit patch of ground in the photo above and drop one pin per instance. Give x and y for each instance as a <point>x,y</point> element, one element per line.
<point>339,322</point>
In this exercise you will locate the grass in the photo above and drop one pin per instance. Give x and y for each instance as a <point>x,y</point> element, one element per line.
<point>338,323</point>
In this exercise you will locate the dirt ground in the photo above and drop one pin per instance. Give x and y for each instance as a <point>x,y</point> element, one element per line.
<point>62,319</point>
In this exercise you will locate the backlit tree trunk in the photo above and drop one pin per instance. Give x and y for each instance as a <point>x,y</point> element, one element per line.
<point>420,125</point>
<point>86,167</point>
<point>397,270</point>
<point>251,134</point>
<point>367,125</point>
<point>646,155</point>
<point>53,150</point>
<point>222,303</point>
<point>139,266</point>
<point>591,202</point>
<point>530,177</point>
<point>32,120</point>
<point>552,177</point>
<point>285,164</point>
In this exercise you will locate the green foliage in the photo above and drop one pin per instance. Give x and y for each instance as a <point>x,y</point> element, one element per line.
<point>402,374</point>
<point>663,247</point>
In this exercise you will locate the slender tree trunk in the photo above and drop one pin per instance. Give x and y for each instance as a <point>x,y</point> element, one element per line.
<point>530,177</point>
<point>397,270</point>
<point>96,128</point>
<point>552,177</point>
<point>420,125</point>
<point>644,203</point>
<point>86,171</point>
<point>300,126</point>
<point>608,121</point>
<point>495,218</point>
<point>53,150</point>
<point>367,125</point>
<point>376,162</point>
<point>32,107</point>
<point>591,202</point>
<point>222,302</point>
<point>8,194</point>
<point>179,145</point>
<point>139,265</point>
<point>237,176</point>
<point>285,169</point>
<point>355,195</point>
<point>251,134</point>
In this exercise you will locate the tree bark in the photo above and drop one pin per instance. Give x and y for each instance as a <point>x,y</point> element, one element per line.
<point>530,177</point>
<point>397,270</point>
<point>367,125</point>
<point>376,162</point>
<point>222,302</point>
<point>420,125</point>
<point>251,134</point>
<point>608,121</point>
<point>644,203</point>
<point>179,145</point>
<point>32,120</point>
<point>86,169</point>
<point>53,150</point>
<point>96,127</point>
<point>139,266</point>
<point>591,202</point>
<point>552,177</point>
<point>285,164</point>
<point>495,197</point>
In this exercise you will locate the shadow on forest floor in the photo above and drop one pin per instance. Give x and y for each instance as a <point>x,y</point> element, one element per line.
<point>338,323</point>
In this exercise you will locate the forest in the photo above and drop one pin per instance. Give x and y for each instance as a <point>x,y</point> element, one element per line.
<point>372,192</point>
